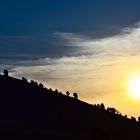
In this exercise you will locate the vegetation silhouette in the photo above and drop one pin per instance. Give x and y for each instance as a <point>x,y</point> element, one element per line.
<point>102,106</point>
<point>5,72</point>
<point>67,93</point>
<point>30,109</point>
<point>111,110</point>
<point>75,95</point>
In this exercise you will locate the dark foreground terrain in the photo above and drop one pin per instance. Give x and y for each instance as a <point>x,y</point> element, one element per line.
<point>30,111</point>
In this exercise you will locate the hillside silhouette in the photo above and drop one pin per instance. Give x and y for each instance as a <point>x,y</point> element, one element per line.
<point>30,110</point>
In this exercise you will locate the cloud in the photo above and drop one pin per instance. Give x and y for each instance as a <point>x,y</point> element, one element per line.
<point>125,43</point>
<point>31,47</point>
<point>26,50</point>
<point>74,49</point>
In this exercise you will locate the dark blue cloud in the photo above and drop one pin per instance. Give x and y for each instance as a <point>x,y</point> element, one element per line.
<point>34,47</point>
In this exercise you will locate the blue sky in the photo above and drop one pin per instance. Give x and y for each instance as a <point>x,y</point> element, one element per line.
<point>33,17</point>
<point>87,46</point>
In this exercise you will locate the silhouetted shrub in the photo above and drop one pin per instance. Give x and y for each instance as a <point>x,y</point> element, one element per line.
<point>35,84</point>
<point>133,118</point>
<point>118,112</point>
<point>24,80</point>
<point>98,105</point>
<point>50,90</point>
<point>45,89</point>
<point>5,72</point>
<point>56,91</point>
<point>75,95</point>
<point>138,119</point>
<point>102,106</point>
<point>111,110</point>
<point>67,93</point>
<point>32,82</point>
<point>41,85</point>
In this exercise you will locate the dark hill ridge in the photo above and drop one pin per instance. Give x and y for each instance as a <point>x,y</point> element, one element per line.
<point>28,109</point>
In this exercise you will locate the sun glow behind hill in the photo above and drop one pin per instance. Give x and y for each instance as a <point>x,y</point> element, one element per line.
<point>134,87</point>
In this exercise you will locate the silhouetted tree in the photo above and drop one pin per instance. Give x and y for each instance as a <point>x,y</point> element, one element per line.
<point>5,72</point>
<point>133,118</point>
<point>125,116</point>
<point>102,106</point>
<point>118,112</point>
<point>56,91</point>
<point>138,119</point>
<point>41,85</point>
<point>46,89</point>
<point>24,79</point>
<point>75,95</point>
<point>50,90</point>
<point>35,84</point>
<point>111,110</point>
<point>32,82</point>
<point>67,93</point>
<point>98,105</point>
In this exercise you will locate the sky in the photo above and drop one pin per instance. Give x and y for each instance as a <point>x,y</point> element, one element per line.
<point>91,47</point>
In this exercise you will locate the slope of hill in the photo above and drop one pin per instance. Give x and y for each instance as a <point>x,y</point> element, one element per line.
<point>30,110</point>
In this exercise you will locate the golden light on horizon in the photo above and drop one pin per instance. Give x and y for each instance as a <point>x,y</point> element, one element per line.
<point>134,87</point>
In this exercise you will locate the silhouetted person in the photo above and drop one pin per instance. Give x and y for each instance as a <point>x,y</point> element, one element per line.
<point>67,93</point>
<point>5,72</point>
<point>75,95</point>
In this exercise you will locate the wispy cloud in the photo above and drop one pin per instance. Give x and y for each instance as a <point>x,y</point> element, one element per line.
<point>60,45</point>
<point>125,43</point>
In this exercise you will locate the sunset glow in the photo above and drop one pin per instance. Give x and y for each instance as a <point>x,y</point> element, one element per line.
<point>134,87</point>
